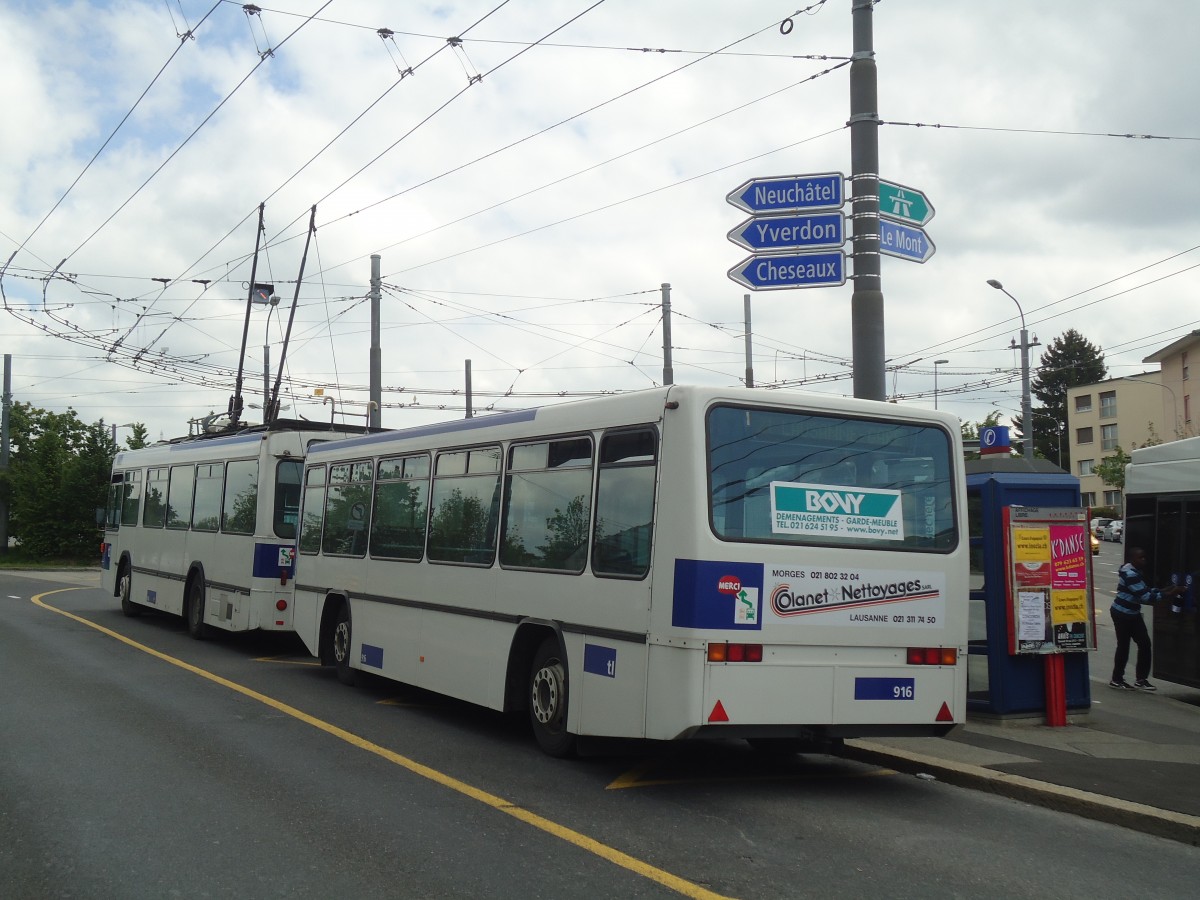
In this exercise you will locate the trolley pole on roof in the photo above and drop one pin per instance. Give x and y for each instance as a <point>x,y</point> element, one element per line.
<point>376,387</point>
<point>235,402</point>
<point>866,303</point>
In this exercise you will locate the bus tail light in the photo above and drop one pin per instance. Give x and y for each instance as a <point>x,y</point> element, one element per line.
<point>281,604</point>
<point>932,656</point>
<point>735,652</point>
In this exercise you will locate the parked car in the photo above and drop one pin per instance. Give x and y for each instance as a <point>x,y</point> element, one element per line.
<point>1098,526</point>
<point>1114,530</point>
<point>1095,543</point>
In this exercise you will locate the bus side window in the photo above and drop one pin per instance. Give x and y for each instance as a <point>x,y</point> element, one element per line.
<point>240,512</point>
<point>131,497</point>
<point>548,491</point>
<point>314,510</point>
<point>155,513</point>
<point>206,507</point>
<point>116,498</point>
<point>464,506</point>
<point>179,497</point>
<point>347,509</point>
<point>625,503</point>
<point>400,509</point>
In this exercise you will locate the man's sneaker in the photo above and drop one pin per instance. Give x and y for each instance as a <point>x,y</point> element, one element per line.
<point>1122,685</point>
<point>1143,685</point>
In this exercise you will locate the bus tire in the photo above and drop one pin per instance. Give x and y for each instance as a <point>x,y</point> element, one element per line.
<point>341,643</point>
<point>125,591</point>
<point>548,696</point>
<point>193,609</point>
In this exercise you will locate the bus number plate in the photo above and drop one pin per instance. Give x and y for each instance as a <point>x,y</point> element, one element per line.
<point>884,688</point>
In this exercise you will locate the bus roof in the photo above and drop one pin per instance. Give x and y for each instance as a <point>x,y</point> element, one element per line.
<point>633,407</point>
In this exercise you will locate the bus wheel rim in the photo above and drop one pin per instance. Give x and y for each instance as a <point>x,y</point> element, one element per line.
<point>547,692</point>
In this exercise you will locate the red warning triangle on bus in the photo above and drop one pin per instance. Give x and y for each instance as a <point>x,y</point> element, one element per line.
<point>944,714</point>
<point>718,714</point>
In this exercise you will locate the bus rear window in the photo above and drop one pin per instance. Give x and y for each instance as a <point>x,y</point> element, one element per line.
<point>789,477</point>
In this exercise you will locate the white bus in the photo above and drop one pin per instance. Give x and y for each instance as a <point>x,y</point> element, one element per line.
<point>682,562</point>
<point>1162,516</point>
<point>205,527</point>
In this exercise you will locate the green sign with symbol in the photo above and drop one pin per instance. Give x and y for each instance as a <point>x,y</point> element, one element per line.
<point>903,204</point>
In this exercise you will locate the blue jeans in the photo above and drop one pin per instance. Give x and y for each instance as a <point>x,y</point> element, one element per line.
<point>1131,628</point>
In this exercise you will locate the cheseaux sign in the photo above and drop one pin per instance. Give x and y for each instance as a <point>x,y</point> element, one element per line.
<point>835,511</point>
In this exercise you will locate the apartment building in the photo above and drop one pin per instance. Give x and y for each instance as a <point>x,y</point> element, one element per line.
<point>1120,412</point>
<point>1175,362</point>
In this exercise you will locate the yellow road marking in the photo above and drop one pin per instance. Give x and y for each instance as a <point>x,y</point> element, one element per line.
<point>582,841</point>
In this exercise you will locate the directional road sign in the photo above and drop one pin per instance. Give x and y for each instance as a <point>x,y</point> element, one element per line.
<point>784,271</point>
<point>801,232</point>
<point>790,193</point>
<point>904,204</point>
<point>904,241</point>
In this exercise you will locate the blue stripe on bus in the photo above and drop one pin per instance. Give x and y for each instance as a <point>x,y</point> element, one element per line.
<point>371,656</point>
<point>722,595</point>
<point>600,660</point>
<point>266,560</point>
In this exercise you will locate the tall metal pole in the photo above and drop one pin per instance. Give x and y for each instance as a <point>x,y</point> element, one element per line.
<point>866,303</point>
<point>936,363</point>
<point>376,387</point>
<point>1026,404</point>
<point>470,400</point>
<point>668,369</point>
<point>5,406</point>
<point>749,343</point>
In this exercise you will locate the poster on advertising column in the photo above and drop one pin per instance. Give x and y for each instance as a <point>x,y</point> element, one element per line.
<point>1048,569</point>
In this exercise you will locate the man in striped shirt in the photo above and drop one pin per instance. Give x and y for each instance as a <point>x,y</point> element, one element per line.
<point>1126,611</point>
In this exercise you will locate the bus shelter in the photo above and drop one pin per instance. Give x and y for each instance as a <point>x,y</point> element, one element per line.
<point>999,682</point>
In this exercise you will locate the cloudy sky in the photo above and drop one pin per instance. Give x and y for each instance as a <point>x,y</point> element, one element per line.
<point>531,172</point>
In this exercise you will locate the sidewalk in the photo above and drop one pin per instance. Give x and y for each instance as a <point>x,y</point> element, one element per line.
<point>1132,760</point>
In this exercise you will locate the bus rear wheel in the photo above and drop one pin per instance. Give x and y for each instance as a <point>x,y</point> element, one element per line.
<point>341,646</point>
<point>548,693</point>
<point>194,610</point>
<point>125,588</point>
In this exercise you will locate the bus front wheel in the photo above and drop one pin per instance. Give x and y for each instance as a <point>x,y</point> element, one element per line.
<point>341,646</point>
<point>548,692</point>
<point>125,588</point>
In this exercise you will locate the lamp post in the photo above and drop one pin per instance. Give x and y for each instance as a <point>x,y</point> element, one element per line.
<point>936,363</point>
<point>1026,408</point>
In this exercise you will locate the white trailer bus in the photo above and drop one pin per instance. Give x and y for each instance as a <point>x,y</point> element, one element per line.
<point>681,562</point>
<point>205,526</point>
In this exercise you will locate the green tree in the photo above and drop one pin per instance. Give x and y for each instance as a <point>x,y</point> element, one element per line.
<point>1069,361</point>
<point>1111,469</point>
<point>58,478</point>
<point>139,438</point>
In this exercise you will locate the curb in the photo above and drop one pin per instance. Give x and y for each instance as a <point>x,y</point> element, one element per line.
<point>1136,816</point>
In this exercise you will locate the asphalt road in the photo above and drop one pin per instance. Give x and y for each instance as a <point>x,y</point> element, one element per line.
<point>137,762</point>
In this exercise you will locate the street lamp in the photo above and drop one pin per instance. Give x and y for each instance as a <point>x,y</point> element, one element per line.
<point>1026,409</point>
<point>936,363</point>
